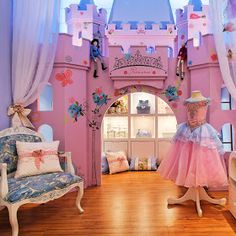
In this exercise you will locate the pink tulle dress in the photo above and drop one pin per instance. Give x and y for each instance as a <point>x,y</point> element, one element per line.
<point>196,155</point>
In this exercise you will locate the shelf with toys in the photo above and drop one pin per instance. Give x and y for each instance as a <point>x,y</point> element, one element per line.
<point>140,122</point>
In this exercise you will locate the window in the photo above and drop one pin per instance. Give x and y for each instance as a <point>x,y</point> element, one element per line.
<point>45,99</point>
<point>170,52</point>
<point>150,50</point>
<point>227,103</point>
<point>47,132</point>
<point>227,137</point>
<point>197,39</point>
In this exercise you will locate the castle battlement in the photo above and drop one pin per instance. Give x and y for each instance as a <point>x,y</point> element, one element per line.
<point>88,24</point>
<point>192,24</point>
<point>127,29</point>
<point>190,14</point>
<point>72,55</point>
<point>92,14</point>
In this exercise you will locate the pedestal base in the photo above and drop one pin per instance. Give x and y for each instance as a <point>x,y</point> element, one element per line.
<point>197,194</point>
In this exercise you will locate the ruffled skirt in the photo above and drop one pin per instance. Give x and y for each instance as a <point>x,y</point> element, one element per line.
<point>195,158</point>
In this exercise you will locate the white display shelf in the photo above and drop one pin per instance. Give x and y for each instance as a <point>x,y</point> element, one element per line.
<point>115,127</point>
<point>167,126</point>
<point>163,107</point>
<point>142,127</point>
<point>115,139</point>
<point>161,123</point>
<point>117,115</point>
<point>142,139</point>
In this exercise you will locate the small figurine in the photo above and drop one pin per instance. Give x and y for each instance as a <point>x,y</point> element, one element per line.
<point>182,57</point>
<point>95,54</point>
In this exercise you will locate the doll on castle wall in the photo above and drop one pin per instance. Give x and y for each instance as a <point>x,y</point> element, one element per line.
<point>96,55</point>
<point>182,57</point>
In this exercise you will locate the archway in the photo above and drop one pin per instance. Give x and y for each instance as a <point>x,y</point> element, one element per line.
<point>95,135</point>
<point>140,124</point>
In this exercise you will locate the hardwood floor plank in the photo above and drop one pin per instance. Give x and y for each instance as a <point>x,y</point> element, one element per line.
<point>131,203</point>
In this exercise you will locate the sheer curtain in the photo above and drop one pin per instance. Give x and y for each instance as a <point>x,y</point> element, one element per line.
<point>35,32</point>
<point>225,40</point>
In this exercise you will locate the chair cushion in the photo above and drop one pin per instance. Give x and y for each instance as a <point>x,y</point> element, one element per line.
<point>34,186</point>
<point>8,153</point>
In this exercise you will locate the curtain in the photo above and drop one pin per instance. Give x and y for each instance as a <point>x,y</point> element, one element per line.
<point>35,32</point>
<point>223,22</point>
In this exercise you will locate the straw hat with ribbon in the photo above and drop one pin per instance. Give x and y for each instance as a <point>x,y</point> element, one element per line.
<point>196,96</point>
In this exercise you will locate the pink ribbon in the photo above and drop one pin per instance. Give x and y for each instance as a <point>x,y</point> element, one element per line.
<point>38,155</point>
<point>121,159</point>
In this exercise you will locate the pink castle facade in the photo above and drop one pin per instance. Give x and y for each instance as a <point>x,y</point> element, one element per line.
<point>72,76</point>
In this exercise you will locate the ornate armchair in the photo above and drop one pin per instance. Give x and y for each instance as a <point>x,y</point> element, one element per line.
<point>33,189</point>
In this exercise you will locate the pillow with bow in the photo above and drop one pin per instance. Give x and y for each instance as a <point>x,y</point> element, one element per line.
<point>117,162</point>
<point>37,158</point>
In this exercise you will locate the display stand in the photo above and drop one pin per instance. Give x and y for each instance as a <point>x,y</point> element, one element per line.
<point>197,194</point>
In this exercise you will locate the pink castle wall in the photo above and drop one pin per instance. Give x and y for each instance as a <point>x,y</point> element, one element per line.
<point>76,137</point>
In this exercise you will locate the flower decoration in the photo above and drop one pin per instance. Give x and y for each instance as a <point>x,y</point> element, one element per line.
<point>75,110</point>
<point>99,97</point>
<point>172,93</point>
<point>214,57</point>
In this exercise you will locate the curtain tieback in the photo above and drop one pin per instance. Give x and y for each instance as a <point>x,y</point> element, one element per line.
<point>19,116</point>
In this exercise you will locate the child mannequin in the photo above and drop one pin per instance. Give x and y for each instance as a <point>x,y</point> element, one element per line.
<point>195,159</point>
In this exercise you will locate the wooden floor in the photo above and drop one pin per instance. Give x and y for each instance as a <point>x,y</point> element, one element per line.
<point>132,203</point>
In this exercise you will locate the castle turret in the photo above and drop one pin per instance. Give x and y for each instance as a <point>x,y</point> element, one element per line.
<point>148,23</point>
<point>83,4</point>
<point>193,22</point>
<point>85,21</point>
<point>197,4</point>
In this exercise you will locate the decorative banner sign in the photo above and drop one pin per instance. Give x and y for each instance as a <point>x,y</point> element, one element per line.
<point>139,64</point>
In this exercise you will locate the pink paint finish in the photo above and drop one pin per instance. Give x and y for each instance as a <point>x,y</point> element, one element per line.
<point>82,141</point>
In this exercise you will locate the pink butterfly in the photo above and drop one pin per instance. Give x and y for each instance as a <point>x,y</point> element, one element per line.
<point>65,78</point>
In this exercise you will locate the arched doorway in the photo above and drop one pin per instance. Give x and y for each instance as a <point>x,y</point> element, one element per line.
<point>140,124</point>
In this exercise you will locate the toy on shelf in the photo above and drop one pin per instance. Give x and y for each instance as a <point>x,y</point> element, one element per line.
<point>196,156</point>
<point>96,55</point>
<point>143,107</point>
<point>118,107</point>
<point>182,57</point>
<point>142,133</point>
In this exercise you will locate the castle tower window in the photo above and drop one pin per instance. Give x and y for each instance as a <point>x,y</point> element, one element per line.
<point>47,132</point>
<point>197,39</point>
<point>227,102</point>
<point>150,50</point>
<point>45,101</point>
<point>227,137</point>
<point>170,52</point>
